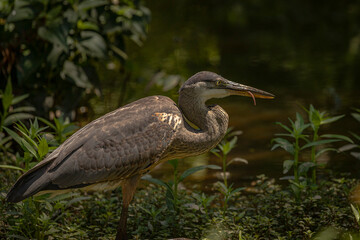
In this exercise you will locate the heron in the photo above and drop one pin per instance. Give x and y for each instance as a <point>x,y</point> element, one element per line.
<point>116,149</point>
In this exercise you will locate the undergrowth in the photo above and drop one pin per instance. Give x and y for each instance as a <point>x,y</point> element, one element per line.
<point>264,211</point>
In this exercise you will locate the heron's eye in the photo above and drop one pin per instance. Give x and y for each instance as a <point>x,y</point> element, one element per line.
<point>218,83</point>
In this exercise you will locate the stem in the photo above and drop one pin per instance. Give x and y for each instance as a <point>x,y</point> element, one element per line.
<point>224,171</point>
<point>313,159</point>
<point>296,160</point>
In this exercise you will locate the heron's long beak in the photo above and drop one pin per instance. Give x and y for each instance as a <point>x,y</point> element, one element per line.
<point>243,90</point>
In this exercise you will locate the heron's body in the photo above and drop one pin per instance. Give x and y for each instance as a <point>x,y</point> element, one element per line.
<point>119,147</point>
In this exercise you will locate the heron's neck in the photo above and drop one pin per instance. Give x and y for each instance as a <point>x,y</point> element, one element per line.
<point>212,120</point>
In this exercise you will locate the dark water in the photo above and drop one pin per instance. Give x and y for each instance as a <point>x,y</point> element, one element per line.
<point>302,51</point>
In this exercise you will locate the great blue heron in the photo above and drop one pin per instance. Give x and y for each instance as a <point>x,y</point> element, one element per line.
<point>119,147</point>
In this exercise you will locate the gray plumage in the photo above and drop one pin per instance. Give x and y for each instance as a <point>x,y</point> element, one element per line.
<point>119,147</point>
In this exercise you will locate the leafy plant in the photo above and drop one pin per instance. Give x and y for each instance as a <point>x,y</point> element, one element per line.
<point>204,201</point>
<point>301,142</point>
<point>317,119</point>
<point>354,145</point>
<point>57,44</point>
<point>295,132</point>
<point>63,128</point>
<point>172,195</point>
<point>32,142</point>
<point>222,151</point>
<point>10,113</point>
<point>153,213</point>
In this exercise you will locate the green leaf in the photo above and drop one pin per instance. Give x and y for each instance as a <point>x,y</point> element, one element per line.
<point>16,117</point>
<point>85,5</point>
<point>284,144</point>
<point>320,142</point>
<point>93,43</point>
<point>28,138</point>
<point>215,151</point>
<point>285,127</point>
<point>223,188</point>
<point>225,148</point>
<point>304,167</point>
<point>18,99</point>
<point>325,150</point>
<point>27,147</point>
<point>299,125</point>
<point>12,167</point>
<point>7,96</point>
<point>345,138</point>
<point>14,135</point>
<point>314,117</point>
<point>357,137</point>
<point>43,148</point>
<point>287,165</point>
<point>233,142</point>
<point>54,35</point>
<point>54,13</point>
<point>4,140</point>
<point>75,74</point>
<point>20,14</point>
<point>192,170</point>
<point>331,119</point>
<point>23,109</point>
<point>56,56</point>
<point>356,116</point>
<point>47,122</point>
<point>87,25</point>
<point>237,159</point>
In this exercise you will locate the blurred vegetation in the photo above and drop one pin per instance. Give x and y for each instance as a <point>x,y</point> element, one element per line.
<point>52,49</point>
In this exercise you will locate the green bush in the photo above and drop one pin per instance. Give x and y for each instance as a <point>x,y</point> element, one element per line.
<point>51,48</point>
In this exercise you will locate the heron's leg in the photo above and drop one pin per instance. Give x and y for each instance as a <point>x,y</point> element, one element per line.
<point>128,189</point>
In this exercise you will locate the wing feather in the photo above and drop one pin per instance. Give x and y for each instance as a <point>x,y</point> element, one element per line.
<point>121,146</point>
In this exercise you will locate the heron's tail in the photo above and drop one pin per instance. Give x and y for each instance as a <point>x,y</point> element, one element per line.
<point>29,184</point>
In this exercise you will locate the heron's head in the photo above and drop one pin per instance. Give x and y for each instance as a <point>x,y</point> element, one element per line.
<point>209,85</point>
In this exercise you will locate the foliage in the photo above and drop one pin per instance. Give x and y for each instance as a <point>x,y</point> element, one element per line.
<point>35,142</point>
<point>354,145</point>
<point>9,114</point>
<point>301,142</point>
<point>32,142</point>
<point>316,119</point>
<point>221,151</point>
<point>62,128</point>
<point>266,212</point>
<point>51,48</point>
<point>172,197</point>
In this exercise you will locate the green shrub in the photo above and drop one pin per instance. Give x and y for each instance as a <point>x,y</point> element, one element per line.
<point>51,47</point>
